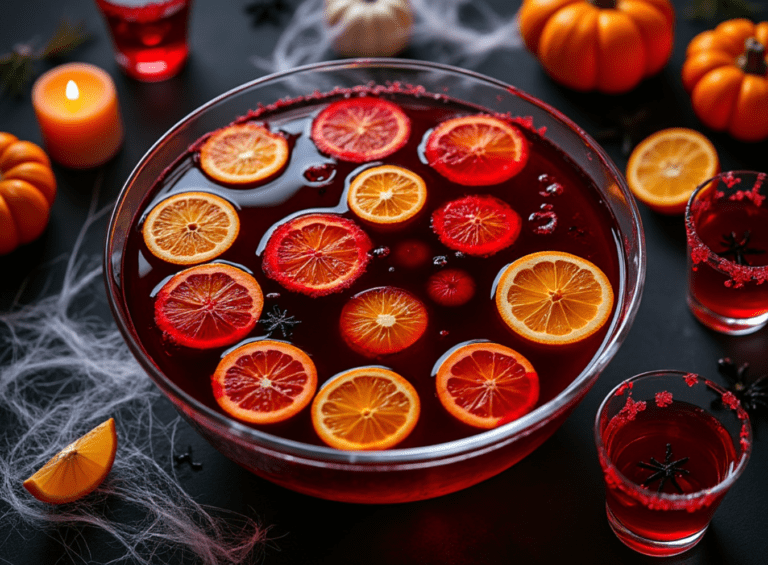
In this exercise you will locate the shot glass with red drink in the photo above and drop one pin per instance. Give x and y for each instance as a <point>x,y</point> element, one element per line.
<point>727,229</point>
<point>671,444</point>
<point>149,36</point>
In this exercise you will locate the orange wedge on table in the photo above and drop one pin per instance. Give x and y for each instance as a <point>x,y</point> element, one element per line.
<point>387,194</point>
<point>665,168</point>
<point>365,408</point>
<point>243,153</point>
<point>554,298</point>
<point>264,382</point>
<point>78,469</point>
<point>191,227</point>
<point>485,384</point>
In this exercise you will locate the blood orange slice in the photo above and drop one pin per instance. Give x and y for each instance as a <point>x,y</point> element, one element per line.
<point>365,408</point>
<point>191,227</point>
<point>486,384</point>
<point>209,306</point>
<point>382,320</point>
<point>477,150</point>
<point>554,298</point>
<point>78,469</point>
<point>361,129</point>
<point>451,287</point>
<point>317,254</point>
<point>264,382</point>
<point>243,153</point>
<point>477,225</point>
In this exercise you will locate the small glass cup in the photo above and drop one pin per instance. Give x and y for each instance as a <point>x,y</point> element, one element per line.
<point>149,36</point>
<point>670,444</point>
<point>726,223</point>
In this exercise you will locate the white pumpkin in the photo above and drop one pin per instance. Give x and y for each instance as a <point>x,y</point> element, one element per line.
<point>369,28</point>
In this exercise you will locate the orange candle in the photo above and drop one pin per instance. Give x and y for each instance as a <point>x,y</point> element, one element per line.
<point>76,107</point>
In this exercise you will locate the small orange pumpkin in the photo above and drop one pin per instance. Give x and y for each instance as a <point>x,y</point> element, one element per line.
<point>603,45</point>
<point>27,190</point>
<point>726,74</point>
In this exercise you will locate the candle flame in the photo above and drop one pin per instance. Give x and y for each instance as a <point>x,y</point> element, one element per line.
<point>72,92</point>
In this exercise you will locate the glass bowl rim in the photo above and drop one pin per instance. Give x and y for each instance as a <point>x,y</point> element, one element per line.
<point>723,485</point>
<point>483,440</point>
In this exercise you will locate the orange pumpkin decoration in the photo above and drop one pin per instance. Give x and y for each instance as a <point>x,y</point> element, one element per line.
<point>27,190</point>
<point>726,74</point>
<point>603,45</point>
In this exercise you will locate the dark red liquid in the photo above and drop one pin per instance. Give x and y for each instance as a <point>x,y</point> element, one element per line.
<point>403,257</point>
<point>150,41</point>
<point>691,433</point>
<point>731,290</point>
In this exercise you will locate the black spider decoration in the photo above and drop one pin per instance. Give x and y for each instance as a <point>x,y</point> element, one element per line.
<point>666,471</point>
<point>738,248</point>
<point>753,396</point>
<point>187,458</point>
<point>268,11</point>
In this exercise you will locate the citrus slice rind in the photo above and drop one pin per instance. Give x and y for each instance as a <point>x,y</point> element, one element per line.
<point>667,166</point>
<point>478,225</point>
<point>316,254</point>
<point>190,227</point>
<point>264,382</point>
<point>477,150</point>
<point>485,384</point>
<point>243,154</point>
<point>382,321</point>
<point>554,298</point>
<point>78,469</point>
<point>387,194</point>
<point>208,306</point>
<point>361,129</point>
<point>367,408</point>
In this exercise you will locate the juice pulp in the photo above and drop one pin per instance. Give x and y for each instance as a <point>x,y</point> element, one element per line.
<point>560,207</point>
<point>150,38</point>
<point>690,432</point>
<point>732,290</point>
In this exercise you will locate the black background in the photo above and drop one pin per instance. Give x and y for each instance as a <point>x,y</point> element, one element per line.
<point>547,509</point>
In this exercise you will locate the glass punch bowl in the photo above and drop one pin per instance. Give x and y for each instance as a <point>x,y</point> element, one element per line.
<point>394,475</point>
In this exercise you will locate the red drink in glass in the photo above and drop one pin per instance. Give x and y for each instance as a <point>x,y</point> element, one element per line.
<point>670,445</point>
<point>150,38</point>
<point>727,230</point>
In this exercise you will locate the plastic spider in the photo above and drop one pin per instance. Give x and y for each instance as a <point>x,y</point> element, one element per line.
<point>753,396</point>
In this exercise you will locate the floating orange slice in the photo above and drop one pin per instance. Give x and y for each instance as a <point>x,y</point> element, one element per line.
<point>361,129</point>
<point>554,298</point>
<point>486,384</point>
<point>387,194</point>
<point>383,320</point>
<point>665,168</point>
<point>365,408</point>
<point>209,306</point>
<point>264,382</point>
<point>477,150</point>
<point>243,153</point>
<point>78,469</point>
<point>317,254</point>
<point>191,227</point>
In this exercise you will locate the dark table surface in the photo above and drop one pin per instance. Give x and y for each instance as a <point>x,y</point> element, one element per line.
<point>546,509</point>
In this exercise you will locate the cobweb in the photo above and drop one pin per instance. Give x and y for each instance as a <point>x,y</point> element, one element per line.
<point>63,371</point>
<point>454,32</point>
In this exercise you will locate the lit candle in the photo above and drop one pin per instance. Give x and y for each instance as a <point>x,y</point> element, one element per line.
<point>76,107</point>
